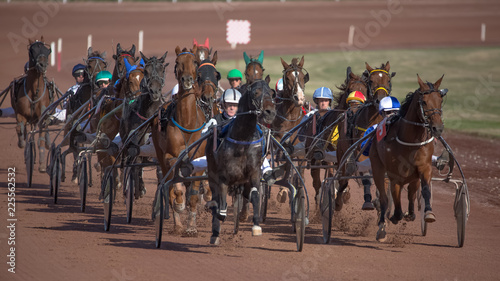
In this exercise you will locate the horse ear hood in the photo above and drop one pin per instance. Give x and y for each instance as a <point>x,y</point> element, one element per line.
<point>207,45</point>
<point>246,58</point>
<point>261,57</point>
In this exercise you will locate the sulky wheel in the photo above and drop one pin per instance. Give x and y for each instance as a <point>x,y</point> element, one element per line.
<point>129,191</point>
<point>83,183</point>
<point>159,217</point>
<point>461,215</point>
<point>326,209</point>
<point>57,174</point>
<point>29,159</point>
<point>264,196</point>
<point>300,218</point>
<point>108,194</point>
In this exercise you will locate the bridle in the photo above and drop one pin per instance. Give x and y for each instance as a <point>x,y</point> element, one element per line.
<point>97,67</point>
<point>375,88</point>
<point>255,102</point>
<point>122,72</point>
<point>206,104</point>
<point>295,83</point>
<point>254,63</point>
<point>42,53</point>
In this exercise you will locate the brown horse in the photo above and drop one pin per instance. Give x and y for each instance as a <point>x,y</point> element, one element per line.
<point>208,82</point>
<point>291,100</point>
<point>31,95</point>
<point>185,122</point>
<point>357,122</point>
<point>404,153</point>
<point>254,69</point>
<point>121,55</point>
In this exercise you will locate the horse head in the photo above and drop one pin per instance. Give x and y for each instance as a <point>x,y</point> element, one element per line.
<point>134,74</point>
<point>96,62</point>
<point>154,75</point>
<point>120,57</point>
<point>203,51</point>
<point>294,81</point>
<point>352,83</point>
<point>186,67</point>
<point>379,81</point>
<point>430,102</point>
<point>259,99</point>
<point>208,79</point>
<point>39,55</point>
<point>254,69</point>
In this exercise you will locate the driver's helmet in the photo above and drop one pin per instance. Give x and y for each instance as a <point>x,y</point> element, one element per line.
<point>77,70</point>
<point>279,85</point>
<point>356,96</point>
<point>389,104</point>
<point>235,73</point>
<point>231,96</point>
<point>323,93</point>
<point>103,76</point>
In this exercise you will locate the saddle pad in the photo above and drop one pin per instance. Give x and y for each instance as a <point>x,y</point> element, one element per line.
<point>381,129</point>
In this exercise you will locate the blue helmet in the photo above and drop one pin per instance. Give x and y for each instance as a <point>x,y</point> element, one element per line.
<point>389,104</point>
<point>77,68</point>
<point>323,93</point>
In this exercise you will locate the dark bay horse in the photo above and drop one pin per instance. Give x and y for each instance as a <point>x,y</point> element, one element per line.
<point>254,69</point>
<point>237,161</point>
<point>357,121</point>
<point>185,122</point>
<point>31,95</point>
<point>405,152</point>
<point>208,82</point>
<point>289,103</point>
<point>138,107</point>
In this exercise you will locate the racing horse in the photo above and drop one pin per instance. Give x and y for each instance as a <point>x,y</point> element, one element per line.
<point>208,80</point>
<point>403,151</point>
<point>120,57</point>
<point>185,120</point>
<point>329,137</point>
<point>138,107</point>
<point>289,104</point>
<point>204,51</point>
<point>357,121</point>
<point>31,95</point>
<point>254,69</point>
<point>95,63</point>
<point>236,164</point>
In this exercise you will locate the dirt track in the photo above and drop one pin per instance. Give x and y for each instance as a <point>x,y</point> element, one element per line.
<point>57,242</point>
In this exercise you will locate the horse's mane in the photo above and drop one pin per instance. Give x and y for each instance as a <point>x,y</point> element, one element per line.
<point>96,54</point>
<point>405,105</point>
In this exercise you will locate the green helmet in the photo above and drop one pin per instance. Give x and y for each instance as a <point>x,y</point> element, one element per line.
<point>234,73</point>
<point>103,75</point>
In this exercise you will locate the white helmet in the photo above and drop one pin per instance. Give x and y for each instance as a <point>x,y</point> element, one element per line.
<point>389,104</point>
<point>231,96</point>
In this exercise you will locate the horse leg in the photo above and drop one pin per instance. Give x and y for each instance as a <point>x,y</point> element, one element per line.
<point>396,197</point>
<point>339,202</point>
<point>378,171</point>
<point>367,183</point>
<point>42,167</point>
<point>21,131</point>
<point>426,193</point>
<point>207,191</point>
<point>219,210</point>
<point>194,192</point>
<point>178,205</point>
<point>316,176</point>
<point>412,192</point>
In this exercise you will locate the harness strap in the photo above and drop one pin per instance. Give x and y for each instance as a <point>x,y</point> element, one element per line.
<point>140,116</point>
<point>381,70</point>
<point>187,130</point>
<point>414,144</point>
<point>245,142</point>
<point>361,129</point>
<point>382,88</point>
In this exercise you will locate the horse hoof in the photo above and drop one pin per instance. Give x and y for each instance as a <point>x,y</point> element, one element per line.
<point>338,203</point>
<point>75,180</point>
<point>207,197</point>
<point>256,230</point>
<point>42,169</point>
<point>429,216</point>
<point>97,166</point>
<point>191,232</point>
<point>381,236</point>
<point>21,144</point>
<point>368,206</point>
<point>346,195</point>
<point>408,217</point>
<point>394,220</point>
<point>282,195</point>
<point>215,240</point>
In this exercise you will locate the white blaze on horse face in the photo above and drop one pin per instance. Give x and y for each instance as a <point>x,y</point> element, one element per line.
<point>300,91</point>
<point>138,77</point>
<point>380,75</point>
<point>202,55</point>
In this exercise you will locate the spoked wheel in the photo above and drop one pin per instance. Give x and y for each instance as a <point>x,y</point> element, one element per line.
<point>129,191</point>
<point>57,174</point>
<point>263,192</point>
<point>109,194</point>
<point>238,206</point>
<point>326,208</point>
<point>159,217</point>
<point>461,215</point>
<point>423,223</point>
<point>83,183</point>
<point>29,159</point>
<point>300,218</point>
<point>52,167</point>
